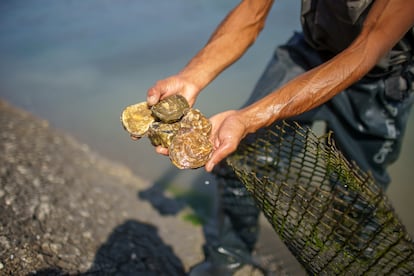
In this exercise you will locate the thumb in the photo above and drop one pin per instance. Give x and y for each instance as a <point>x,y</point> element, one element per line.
<point>153,96</point>
<point>222,151</point>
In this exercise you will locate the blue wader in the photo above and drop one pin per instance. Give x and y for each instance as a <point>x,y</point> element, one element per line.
<point>368,120</point>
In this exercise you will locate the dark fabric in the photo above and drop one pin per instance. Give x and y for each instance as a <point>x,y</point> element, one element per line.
<point>323,20</point>
<point>238,207</point>
<point>331,26</point>
<point>368,128</point>
<point>368,123</point>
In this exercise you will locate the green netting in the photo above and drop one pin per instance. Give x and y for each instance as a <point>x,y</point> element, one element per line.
<point>330,214</point>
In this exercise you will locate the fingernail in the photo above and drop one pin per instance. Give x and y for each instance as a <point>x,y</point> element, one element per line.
<point>151,100</point>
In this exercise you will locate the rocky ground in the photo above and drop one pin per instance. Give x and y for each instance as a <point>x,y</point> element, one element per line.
<point>65,210</point>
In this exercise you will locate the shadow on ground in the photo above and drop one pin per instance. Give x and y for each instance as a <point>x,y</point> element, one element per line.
<point>65,210</point>
<point>133,248</point>
<point>169,198</point>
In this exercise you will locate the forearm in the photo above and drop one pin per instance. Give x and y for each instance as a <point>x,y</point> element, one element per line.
<point>307,91</point>
<point>228,43</point>
<point>317,86</point>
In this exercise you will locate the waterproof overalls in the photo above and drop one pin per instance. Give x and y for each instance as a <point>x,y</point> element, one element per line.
<point>368,119</point>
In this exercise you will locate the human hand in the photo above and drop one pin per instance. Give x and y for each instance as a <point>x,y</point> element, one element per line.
<point>228,129</point>
<point>171,86</point>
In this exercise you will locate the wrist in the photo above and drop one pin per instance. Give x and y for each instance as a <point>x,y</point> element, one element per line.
<point>196,77</point>
<point>255,117</point>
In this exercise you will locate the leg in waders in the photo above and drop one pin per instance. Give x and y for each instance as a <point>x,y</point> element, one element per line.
<point>237,221</point>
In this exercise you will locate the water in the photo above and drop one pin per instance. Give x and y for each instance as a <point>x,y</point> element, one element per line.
<point>79,63</point>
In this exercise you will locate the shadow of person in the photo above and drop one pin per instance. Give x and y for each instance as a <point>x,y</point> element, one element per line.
<point>134,248</point>
<point>195,194</point>
<point>156,197</point>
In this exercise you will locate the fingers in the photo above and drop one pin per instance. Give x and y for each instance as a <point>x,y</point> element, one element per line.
<point>227,131</point>
<point>163,88</point>
<point>135,138</point>
<point>158,149</point>
<point>153,96</point>
<point>170,86</point>
<point>161,150</point>
<point>210,165</point>
<point>218,155</point>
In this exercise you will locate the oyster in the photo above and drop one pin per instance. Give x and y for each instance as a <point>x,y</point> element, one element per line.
<point>172,124</point>
<point>194,119</point>
<point>137,118</point>
<point>170,109</point>
<point>161,134</point>
<point>190,149</point>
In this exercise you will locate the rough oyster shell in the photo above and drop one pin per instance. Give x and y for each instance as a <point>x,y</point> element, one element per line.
<point>194,119</point>
<point>172,124</point>
<point>137,118</point>
<point>170,109</point>
<point>190,149</point>
<point>161,134</point>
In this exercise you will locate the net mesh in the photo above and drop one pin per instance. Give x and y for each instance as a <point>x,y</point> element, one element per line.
<point>329,213</point>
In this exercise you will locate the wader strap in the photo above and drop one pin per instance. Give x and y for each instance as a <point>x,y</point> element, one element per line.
<point>401,55</point>
<point>397,69</point>
<point>399,84</point>
<point>323,19</point>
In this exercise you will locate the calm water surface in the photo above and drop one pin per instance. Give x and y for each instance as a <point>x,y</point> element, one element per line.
<point>79,63</point>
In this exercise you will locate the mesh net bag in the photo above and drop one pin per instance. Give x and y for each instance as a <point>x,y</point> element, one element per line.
<point>329,213</point>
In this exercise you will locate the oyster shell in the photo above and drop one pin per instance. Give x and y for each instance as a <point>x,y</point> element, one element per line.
<point>172,124</point>
<point>170,109</point>
<point>137,118</point>
<point>161,134</point>
<point>194,119</point>
<point>190,149</point>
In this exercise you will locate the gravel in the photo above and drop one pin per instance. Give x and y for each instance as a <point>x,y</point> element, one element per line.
<point>66,210</point>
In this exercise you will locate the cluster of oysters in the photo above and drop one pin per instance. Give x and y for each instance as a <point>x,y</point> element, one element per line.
<point>172,124</point>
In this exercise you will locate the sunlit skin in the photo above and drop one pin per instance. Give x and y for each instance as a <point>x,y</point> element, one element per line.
<point>385,25</point>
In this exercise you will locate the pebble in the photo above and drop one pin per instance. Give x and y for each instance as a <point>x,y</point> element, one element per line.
<point>67,211</point>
